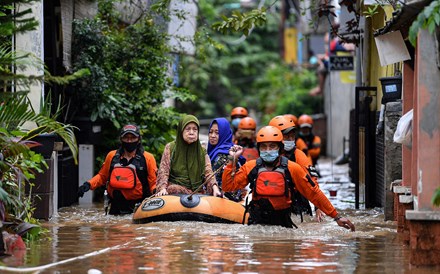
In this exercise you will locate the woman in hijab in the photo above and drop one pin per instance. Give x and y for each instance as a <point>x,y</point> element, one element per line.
<point>220,141</point>
<point>185,165</point>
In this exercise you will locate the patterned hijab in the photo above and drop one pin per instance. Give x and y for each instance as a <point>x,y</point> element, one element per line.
<point>224,140</point>
<point>187,160</point>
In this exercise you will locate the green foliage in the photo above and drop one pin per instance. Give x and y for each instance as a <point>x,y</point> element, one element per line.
<point>225,66</point>
<point>128,81</point>
<point>436,198</point>
<point>371,11</point>
<point>241,22</point>
<point>17,110</point>
<point>428,18</point>
<point>18,164</point>
<point>16,172</point>
<point>283,90</point>
<point>15,22</point>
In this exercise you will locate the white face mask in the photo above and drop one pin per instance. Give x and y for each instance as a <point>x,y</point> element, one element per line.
<point>289,145</point>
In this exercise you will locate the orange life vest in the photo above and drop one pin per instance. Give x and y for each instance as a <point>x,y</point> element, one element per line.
<point>271,184</point>
<point>131,179</point>
<point>123,177</point>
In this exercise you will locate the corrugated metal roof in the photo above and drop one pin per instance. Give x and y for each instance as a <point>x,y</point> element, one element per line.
<point>404,17</point>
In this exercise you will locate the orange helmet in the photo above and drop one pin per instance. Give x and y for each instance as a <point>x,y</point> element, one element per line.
<point>239,111</point>
<point>269,134</point>
<point>293,117</point>
<point>282,123</point>
<point>247,123</point>
<point>305,121</point>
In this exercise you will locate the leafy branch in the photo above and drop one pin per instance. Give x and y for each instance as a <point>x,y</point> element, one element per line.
<point>436,198</point>
<point>429,18</point>
<point>241,22</point>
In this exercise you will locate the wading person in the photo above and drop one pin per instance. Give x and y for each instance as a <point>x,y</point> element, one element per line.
<point>273,179</point>
<point>287,126</point>
<point>246,138</point>
<point>237,114</point>
<point>185,166</point>
<point>129,171</point>
<point>312,141</point>
<point>220,141</point>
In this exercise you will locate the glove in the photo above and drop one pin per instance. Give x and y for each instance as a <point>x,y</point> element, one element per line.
<point>84,188</point>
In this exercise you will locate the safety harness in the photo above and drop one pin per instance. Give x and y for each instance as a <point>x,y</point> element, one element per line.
<point>280,192</point>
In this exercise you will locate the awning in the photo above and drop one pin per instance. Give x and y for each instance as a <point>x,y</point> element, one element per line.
<point>404,17</point>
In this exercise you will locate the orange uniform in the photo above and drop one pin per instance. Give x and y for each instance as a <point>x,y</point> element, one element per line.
<point>310,147</point>
<point>303,160</point>
<point>301,145</point>
<point>310,191</point>
<point>315,148</point>
<point>312,143</point>
<point>103,176</point>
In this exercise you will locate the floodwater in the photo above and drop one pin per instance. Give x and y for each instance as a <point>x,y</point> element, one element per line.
<point>84,240</point>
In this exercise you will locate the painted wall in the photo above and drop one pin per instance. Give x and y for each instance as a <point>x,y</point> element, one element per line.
<point>376,70</point>
<point>32,42</point>
<point>339,100</point>
<point>408,104</point>
<point>428,116</point>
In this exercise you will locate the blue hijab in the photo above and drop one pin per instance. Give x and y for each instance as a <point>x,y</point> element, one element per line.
<point>224,140</point>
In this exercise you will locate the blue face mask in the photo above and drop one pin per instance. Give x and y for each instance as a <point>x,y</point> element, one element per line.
<point>269,155</point>
<point>235,122</point>
<point>289,145</point>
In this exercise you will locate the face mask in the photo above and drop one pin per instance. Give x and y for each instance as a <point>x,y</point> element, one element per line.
<point>306,133</point>
<point>235,122</point>
<point>129,147</point>
<point>289,145</point>
<point>269,155</point>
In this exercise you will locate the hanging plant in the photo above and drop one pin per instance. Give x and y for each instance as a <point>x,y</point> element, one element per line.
<point>428,18</point>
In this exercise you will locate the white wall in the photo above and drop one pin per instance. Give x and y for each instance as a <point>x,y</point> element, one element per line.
<point>33,42</point>
<point>339,99</point>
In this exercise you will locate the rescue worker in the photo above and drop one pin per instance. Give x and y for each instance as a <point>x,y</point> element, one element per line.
<point>129,171</point>
<point>237,114</point>
<point>288,128</point>
<point>185,165</point>
<point>220,141</point>
<point>246,138</point>
<point>273,179</point>
<point>293,117</point>
<point>299,143</point>
<point>312,141</point>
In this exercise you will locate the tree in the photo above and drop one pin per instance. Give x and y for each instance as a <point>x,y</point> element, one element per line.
<point>129,78</point>
<point>225,67</point>
<point>18,163</point>
<point>239,64</point>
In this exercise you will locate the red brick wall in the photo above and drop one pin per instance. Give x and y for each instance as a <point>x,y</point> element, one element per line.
<point>425,243</point>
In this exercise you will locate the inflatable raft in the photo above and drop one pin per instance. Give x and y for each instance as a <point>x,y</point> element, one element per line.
<point>200,208</point>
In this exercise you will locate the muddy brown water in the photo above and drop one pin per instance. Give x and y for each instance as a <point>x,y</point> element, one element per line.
<point>83,239</point>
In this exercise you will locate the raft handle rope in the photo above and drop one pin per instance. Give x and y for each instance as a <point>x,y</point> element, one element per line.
<point>234,162</point>
<point>207,179</point>
<point>198,188</point>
